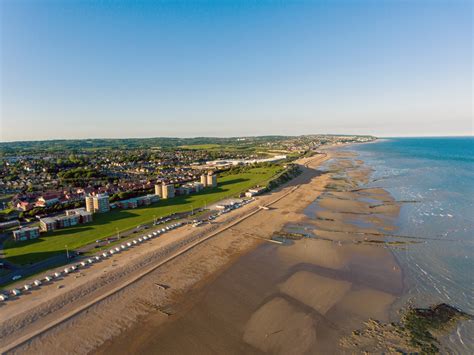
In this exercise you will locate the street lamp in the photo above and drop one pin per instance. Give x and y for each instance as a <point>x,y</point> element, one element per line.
<point>67,252</point>
<point>118,233</point>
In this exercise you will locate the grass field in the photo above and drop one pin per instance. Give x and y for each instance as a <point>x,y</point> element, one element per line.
<point>107,224</point>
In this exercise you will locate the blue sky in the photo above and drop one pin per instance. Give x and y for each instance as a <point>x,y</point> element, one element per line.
<point>81,69</point>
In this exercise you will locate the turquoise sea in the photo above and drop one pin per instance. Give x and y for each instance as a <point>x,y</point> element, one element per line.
<point>436,178</point>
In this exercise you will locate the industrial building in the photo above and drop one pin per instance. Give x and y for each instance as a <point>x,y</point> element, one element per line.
<point>26,233</point>
<point>97,203</point>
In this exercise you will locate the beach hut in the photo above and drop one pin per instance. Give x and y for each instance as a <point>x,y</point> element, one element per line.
<point>90,261</point>
<point>37,283</point>
<point>104,255</point>
<point>15,292</point>
<point>27,287</point>
<point>57,274</point>
<point>123,246</point>
<point>73,268</point>
<point>67,270</point>
<point>3,297</point>
<point>111,252</point>
<point>155,234</point>
<point>167,228</point>
<point>48,278</point>
<point>129,244</point>
<point>140,240</point>
<point>117,249</point>
<point>163,230</point>
<point>134,241</point>
<point>97,258</point>
<point>83,263</point>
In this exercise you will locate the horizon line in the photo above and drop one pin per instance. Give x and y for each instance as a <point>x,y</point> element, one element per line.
<point>242,136</point>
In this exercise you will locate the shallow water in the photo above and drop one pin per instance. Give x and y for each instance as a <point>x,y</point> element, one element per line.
<point>435,178</point>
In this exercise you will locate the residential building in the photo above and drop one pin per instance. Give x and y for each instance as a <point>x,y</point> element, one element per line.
<point>211,180</point>
<point>9,224</point>
<point>72,218</point>
<point>204,180</point>
<point>198,186</point>
<point>168,191</point>
<point>47,200</point>
<point>26,233</point>
<point>159,190</point>
<point>84,216</point>
<point>48,224</point>
<point>98,203</point>
<point>24,206</point>
<point>184,190</point>
<point>138,201</point>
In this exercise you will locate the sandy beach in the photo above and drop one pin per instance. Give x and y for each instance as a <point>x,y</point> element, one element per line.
<point>301,297</point>
<point>235,291</point>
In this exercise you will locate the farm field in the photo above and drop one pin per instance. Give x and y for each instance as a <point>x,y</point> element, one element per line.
<point>107,224</point>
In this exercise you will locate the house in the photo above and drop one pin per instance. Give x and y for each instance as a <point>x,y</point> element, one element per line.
<point>48,200</point>
<point>24,206</point>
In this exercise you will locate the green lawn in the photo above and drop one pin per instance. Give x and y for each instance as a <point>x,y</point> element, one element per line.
<point>105,225</point>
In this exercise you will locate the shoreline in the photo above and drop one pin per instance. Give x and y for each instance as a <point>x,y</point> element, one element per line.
<point>182,329</point>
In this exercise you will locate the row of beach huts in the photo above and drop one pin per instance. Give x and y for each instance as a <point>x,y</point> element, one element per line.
<point>14,293</point>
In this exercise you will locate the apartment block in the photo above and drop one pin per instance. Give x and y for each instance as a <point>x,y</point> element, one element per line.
<point>97,203</point>
<point>26,233</point>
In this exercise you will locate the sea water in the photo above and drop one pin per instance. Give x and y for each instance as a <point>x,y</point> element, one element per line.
<point>434,177</point>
